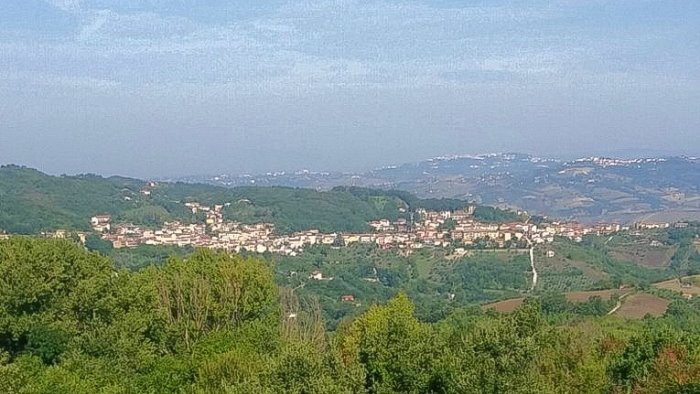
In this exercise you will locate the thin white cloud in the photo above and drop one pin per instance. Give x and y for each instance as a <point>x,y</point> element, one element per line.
<point>66,5</point>
<point>326,43</point>
<point>94,26</point>
<point>30,80</point>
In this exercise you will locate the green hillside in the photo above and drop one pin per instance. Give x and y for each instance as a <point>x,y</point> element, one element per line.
<point>290,209</point>
<point>438,281</point>
<point>31,202</point>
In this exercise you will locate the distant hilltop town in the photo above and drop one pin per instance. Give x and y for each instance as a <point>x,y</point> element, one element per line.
<point>423,229</point>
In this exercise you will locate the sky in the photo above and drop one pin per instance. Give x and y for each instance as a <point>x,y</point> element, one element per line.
<point>152,88</point>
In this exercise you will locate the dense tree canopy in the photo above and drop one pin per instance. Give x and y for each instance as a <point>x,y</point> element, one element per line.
<point>208,322</point>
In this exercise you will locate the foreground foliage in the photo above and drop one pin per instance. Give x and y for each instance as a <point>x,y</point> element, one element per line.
<point>214,323</point>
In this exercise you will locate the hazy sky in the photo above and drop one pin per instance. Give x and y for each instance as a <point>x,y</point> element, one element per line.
<point>173,87</point>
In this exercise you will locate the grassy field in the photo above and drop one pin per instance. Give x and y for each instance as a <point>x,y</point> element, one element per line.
<point>692,287</point>
<point>639,305</point>
<point>562,260</point>
<point>565,270</point>
<point>643,253</point>
<point>424,263</point>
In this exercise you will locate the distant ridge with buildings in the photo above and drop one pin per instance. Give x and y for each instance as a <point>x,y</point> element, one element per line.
<point>627,190</point>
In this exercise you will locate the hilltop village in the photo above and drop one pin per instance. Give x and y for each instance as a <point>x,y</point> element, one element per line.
<point>424,229</point>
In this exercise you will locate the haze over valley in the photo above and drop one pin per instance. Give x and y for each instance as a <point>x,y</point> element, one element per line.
<point>297,196</point>
<point>588,189</point>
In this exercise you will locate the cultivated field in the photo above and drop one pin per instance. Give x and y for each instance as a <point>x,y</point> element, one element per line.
<point>639,305</point>
<point>583,296</point>
<point>692,286</point>
<point>505,306</point>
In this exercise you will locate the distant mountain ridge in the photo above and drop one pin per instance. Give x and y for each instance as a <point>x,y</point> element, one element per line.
<point>586,189</point>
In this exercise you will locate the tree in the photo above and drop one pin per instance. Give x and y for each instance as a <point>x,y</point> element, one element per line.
<point>49,289</point>
<point>96,244</point>
<point>391,346</point>
<point>212,291</point>
<point>658,361</point>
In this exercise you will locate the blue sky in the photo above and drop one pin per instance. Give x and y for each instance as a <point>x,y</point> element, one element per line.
<point>172,87</point>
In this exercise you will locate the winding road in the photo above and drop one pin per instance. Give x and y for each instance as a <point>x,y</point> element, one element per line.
<point>532,265</point>
<point>619,303</point>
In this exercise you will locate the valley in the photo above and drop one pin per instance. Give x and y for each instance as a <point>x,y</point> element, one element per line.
<point>655,190</point>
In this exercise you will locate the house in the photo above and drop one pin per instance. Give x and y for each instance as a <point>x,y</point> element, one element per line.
<point>347,298</point>
<point>82,237</point>
<point>351,238</point>
<point>316,275</point>
<point>100,219</point>
<point>101,223</point>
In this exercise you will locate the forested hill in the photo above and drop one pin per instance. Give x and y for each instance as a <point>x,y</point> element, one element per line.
<point>31,202</point>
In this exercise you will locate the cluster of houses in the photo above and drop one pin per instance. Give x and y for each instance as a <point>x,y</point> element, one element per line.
<point>460,227</point>
<point>608,162</point>
<point>230,236</point>
<point>424,229</point>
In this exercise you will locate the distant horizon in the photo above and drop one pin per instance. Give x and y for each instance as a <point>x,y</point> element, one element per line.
<point>624,154</point>
<point>169,88</point>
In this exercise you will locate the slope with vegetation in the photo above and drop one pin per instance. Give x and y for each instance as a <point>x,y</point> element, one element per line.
<point>595,267</point>
<point>214,323</point>
<point>440,280</point>
<point>32,202</point>
<point>370,275</point>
